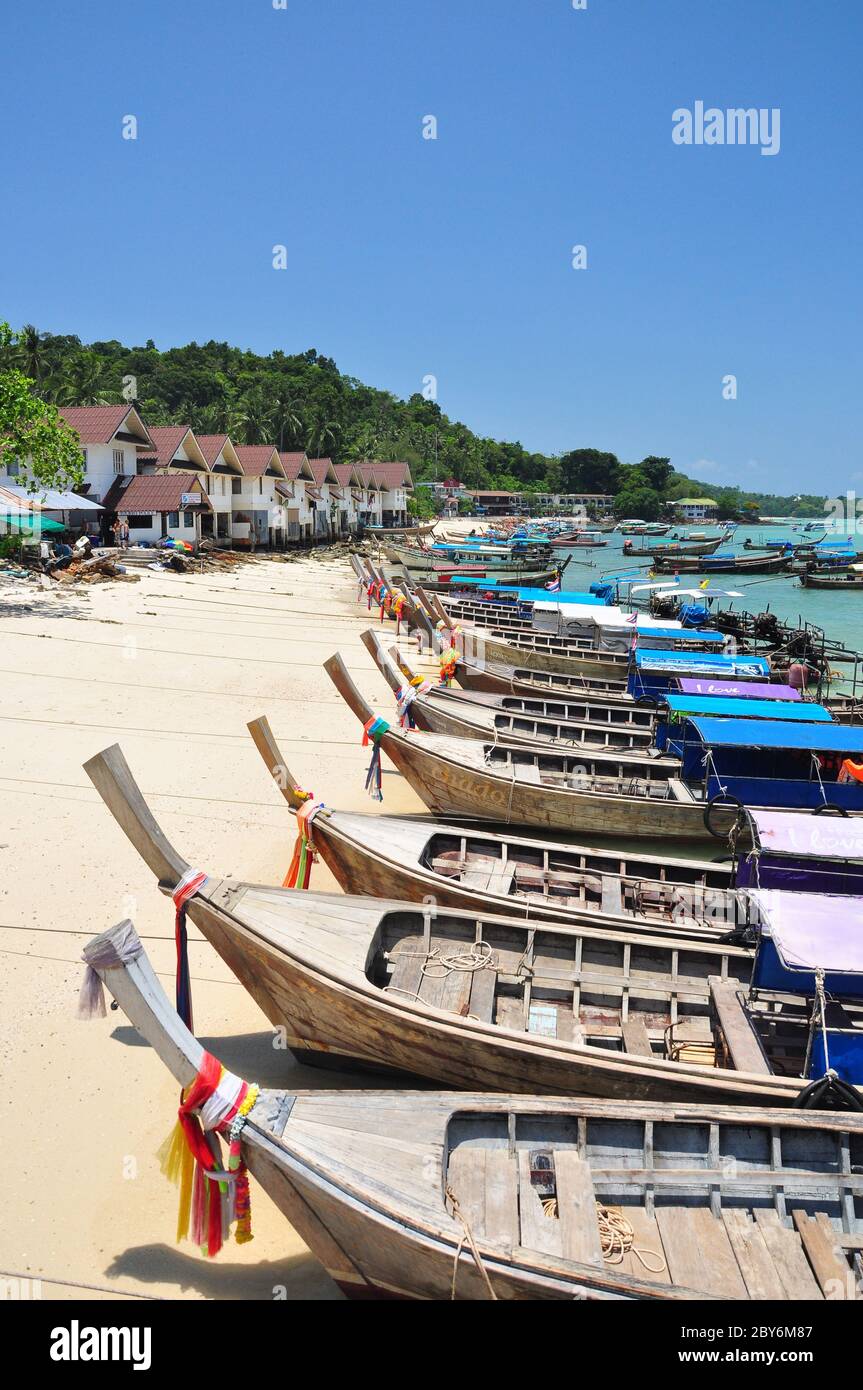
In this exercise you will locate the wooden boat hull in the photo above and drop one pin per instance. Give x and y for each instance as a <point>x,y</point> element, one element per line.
<point>824,581</point>
<point>507,874</point>
<point>316,1013</point>
<point>672,551</point>
<point>314,965</point>
<point>741,564</point>
<point>441,581</point>
<point>448,788</point>
<point>369,1181</point>
<point>439,711</point>
<point>516,679</point>
<point>542,656</point>
<point>359,872</point>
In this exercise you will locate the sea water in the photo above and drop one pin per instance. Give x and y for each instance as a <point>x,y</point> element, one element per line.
<point>839,614</point>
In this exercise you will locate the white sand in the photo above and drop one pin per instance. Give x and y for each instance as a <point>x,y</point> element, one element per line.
<point>172,668</point>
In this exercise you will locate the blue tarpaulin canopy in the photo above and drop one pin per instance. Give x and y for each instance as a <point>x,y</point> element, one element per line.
<point>707,663</point>
<point>730,707</point>
<point>679,634</point>
<point>775,733</point>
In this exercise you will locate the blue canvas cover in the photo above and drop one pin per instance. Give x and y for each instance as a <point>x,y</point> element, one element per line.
<point>704,663</point>
<point>777,734</point>
<point>728,706</point>
<point>678,634</point>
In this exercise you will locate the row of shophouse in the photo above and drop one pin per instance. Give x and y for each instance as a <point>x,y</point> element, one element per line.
<point>451,492</point>
<point>170,481</point>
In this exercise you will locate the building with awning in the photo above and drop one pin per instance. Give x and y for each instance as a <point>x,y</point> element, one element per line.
<point>159,506</point>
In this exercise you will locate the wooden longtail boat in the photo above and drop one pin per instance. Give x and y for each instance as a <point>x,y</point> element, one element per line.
<point>812,580</point>
<point>630,718</point>
<point>498,872</point>
<point>387,532</point>
<point>673,548</point>
<point>517,679</point>
<point>512,784</point>
<point>540,652</point>
<point>370,1179</point>
<point>495,1004</point>
<point>732,564</point>
<point>437,711</point>
<point>440,580</point>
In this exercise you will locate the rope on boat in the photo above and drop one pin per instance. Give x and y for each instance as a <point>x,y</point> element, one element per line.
<point>456,963</point>
<point>616,1236</point>
<point>467,1239</point>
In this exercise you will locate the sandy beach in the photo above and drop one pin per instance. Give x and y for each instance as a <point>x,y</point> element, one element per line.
<point>172,668</point>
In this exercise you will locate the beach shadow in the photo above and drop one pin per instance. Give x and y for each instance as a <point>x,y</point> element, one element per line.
<point>253,1056</point>
<point>40,606</point>
<point>295,1279</point>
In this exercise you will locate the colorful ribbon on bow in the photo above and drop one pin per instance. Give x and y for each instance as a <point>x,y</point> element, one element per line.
<point>188,886</point>
<point>397,608</point>
<point>300,868</point>
<point>373,731</point>
<point>211,1198</point>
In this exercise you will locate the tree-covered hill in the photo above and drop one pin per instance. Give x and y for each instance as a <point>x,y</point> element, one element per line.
<point>302,400</point>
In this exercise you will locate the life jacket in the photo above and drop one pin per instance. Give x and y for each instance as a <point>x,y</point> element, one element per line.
<point>850,772</point>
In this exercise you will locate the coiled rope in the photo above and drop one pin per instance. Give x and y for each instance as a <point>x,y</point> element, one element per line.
<point>467,962</point>
<point>616,1236</point>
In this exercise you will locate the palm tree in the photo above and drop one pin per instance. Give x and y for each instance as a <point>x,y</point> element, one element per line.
<point>321,434</point>
<point>31,351</point>
<point>80,381</point>
<point>287,421</point>
<point>87,381</point>
<point>252,420</point>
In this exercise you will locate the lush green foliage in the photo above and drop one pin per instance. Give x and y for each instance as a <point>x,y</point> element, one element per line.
<point>48,453</point>
<point>302,400</point>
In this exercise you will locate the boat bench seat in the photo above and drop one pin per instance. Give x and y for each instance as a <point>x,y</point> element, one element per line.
<point>741,1039</point>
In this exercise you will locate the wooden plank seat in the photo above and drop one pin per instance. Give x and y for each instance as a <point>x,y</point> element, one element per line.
<point>741,1040</point>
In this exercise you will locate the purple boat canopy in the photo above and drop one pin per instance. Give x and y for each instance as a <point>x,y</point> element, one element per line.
<point>741,689</point>
<point>806,836</point>
<point>809,932</point>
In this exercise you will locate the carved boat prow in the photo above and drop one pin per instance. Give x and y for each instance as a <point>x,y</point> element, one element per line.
<point>112,777</point>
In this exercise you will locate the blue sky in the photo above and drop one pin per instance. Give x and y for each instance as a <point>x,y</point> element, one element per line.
<point>409,257</point>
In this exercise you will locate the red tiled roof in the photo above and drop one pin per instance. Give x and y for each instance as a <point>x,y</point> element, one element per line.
<point>320,468</point>
<point>96,424</point>
<point>388,475</point>
<point>255,458</point>
<point>167,439</point>
<point>392,474</point>
<point>211,445</point>
<point>292,463</point>
<point>158,492</point>
<point>343,472</point>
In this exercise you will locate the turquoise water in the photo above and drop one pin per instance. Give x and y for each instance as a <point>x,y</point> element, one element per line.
<point>841,615</point>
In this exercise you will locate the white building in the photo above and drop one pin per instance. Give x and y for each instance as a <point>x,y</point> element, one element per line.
<point>259,512</point>
<point>696,508</point>
<point>325,497</point>
<point>349,489</point>
<point>223,466</point>
<point>112,439</point>
<point>295,493</point>
<point>158,506</point>
<point>396,484</point>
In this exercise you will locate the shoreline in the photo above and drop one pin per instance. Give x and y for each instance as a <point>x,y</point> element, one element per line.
<point>172,669</point>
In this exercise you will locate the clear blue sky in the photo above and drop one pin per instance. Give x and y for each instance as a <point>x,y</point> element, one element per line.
<point>408,257</point>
